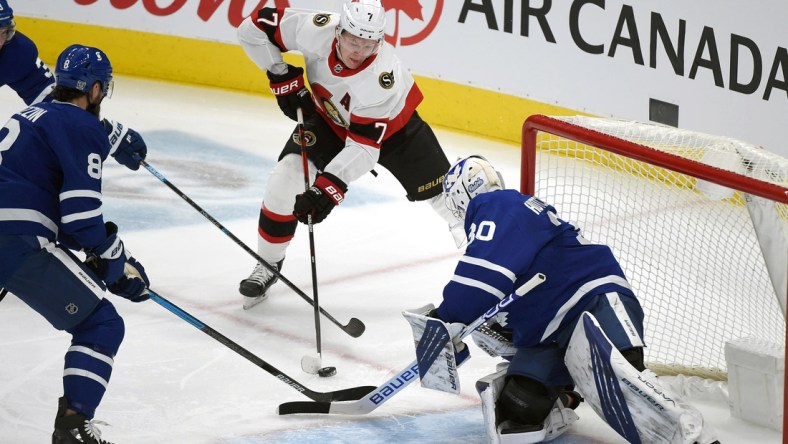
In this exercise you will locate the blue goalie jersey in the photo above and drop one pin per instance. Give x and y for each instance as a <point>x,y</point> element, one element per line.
<point>51,157</point>
<point>513,237</point>
<point>24,72</point>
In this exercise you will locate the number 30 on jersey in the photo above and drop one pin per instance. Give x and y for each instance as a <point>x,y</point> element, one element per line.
<point>484,232</point>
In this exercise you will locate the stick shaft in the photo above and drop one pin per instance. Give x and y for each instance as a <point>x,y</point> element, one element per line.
<point>345,394</point>
<point>354,328</point>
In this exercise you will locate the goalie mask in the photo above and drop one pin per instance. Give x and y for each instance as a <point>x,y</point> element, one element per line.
<point>467,179</point>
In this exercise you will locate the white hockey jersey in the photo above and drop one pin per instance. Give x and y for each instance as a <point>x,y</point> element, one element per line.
<point>364,106</point>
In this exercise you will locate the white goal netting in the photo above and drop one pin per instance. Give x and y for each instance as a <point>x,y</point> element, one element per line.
<point>706,260</point>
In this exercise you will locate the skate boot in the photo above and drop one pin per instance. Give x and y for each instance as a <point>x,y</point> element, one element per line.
<point>254,287</point>
<point>74,429</point>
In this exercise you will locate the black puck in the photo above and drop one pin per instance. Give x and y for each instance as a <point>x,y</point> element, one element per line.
<point>326,372</point>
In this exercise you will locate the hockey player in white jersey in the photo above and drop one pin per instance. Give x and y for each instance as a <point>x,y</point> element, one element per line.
<point>582,329</point>
<point>361,112</point>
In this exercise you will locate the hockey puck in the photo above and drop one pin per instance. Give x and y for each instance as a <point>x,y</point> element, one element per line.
<point>326,372</point>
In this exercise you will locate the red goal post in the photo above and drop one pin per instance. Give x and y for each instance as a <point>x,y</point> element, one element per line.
<point>696,221</point>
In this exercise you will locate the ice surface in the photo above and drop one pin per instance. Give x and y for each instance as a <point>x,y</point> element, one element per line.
<point>377,255</point>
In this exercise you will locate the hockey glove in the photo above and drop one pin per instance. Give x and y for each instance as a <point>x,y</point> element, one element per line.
<point>126,143</point>
<point>109,258</point>
<point>122,273</point>
<point>327,192</point>
<point>291,93</point>
<point>134,283</point>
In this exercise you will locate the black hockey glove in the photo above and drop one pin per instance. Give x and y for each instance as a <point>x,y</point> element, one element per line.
<point>125,144</point>
<point>327,192</point>
<point>291,93</point>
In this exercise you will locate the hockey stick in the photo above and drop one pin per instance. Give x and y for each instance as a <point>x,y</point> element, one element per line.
<point>354,327</point>
<point>401,380</point>
<point>347,394</point>
<point>311,364</point>
<point>3,292</point>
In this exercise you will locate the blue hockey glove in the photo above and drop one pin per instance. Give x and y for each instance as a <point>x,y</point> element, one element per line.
<point>134,283</point>
<point>109,257</point>
<point>123,274</point>
<point>126,143</point>
<point>291,93</point>
<point>318,201</point>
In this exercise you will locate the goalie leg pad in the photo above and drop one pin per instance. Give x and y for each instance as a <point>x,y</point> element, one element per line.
<point>501,397</point>
<point>633,403</point>
<point>489,388</point>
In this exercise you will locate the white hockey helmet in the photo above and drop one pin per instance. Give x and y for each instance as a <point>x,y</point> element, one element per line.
<point>363,18</point>
<point>465,180</point>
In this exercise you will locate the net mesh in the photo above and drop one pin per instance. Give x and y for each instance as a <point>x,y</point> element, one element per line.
<point>687,246</point>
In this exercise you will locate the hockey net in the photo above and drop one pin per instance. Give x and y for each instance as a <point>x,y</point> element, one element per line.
<point>698,222</point>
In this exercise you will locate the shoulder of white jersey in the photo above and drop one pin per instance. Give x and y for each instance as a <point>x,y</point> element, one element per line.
<point>308,31</point>
<point>386,86</point>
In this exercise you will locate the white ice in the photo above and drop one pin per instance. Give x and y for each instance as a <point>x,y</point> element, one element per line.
<point>376,255</point>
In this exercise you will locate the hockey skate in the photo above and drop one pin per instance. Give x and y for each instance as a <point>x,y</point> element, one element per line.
<point>74,429</point>
<point>254,287</point>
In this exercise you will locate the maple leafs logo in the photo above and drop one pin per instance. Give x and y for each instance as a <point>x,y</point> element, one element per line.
<point>414,11</point>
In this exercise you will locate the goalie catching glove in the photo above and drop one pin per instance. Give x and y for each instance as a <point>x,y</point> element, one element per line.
<point>115,266</point>
<point>318,201</point>
<point>291,93</point>
<point>439,349</point>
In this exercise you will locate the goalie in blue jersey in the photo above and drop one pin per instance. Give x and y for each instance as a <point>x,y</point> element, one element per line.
<point>581,326</point>
<point>51,161</point>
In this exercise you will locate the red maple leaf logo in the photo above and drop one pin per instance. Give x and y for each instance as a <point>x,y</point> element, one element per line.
<point>411,8</point>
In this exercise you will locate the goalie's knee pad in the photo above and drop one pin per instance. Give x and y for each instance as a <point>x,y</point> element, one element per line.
<point>525,401</point>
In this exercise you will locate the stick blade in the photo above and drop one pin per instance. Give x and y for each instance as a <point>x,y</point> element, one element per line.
<point>355,327</point>
<point>303,407</point>
<point>311,363</point>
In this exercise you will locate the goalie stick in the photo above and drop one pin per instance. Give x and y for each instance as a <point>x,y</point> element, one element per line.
<point>347,394</point>
<point>401,380</point>
<point>354,327</point>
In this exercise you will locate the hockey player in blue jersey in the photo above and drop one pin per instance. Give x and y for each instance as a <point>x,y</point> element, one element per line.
<point>51,158</point>
<point>582,325</point>
<point>20,67</point>
<point>23,71</point>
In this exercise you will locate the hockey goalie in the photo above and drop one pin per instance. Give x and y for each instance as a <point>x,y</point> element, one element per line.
<point>576,337</point>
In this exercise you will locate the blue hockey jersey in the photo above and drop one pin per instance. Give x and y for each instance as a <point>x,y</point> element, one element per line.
<point>513,237</point>
<point>51,157</point>
<point>23,71</point>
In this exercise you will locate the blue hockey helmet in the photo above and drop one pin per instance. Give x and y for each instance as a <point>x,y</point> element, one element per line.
<point>79,67</point>
<point>7,19</point>
<point>465,180</point>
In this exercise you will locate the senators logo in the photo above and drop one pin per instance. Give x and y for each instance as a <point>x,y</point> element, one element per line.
<point>333,113</point>
<point>321,20</point>
<point>309,137</point>
<point>386,80</point>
